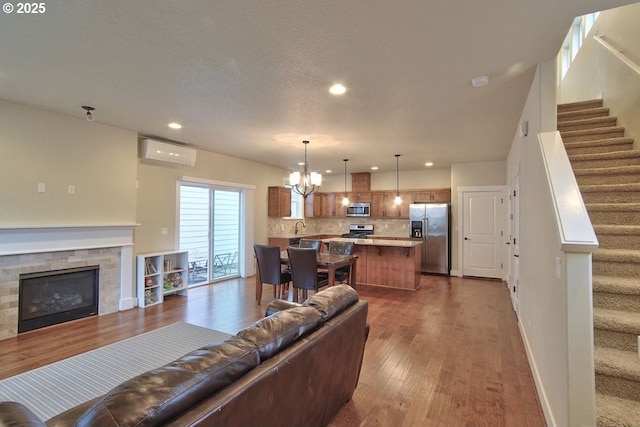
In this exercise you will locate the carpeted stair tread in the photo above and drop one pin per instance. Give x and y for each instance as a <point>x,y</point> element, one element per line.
<point>617,255</point>
<point>586,113</point>
<point>579,105</point>
<point>620,321</point>
<point>610,188</point>
<point>608,207</point>
<point>626,154</point>
<point>622,230</point>
<point>614,170</point>
<point>592,132</point>
<point>586,123</point>
<point>613,411</point>
<point>606,142</point>
<point>616,285</point>
<point>617,363</point>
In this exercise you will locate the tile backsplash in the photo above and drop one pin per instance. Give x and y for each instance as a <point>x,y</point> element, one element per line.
<point>382,226</point>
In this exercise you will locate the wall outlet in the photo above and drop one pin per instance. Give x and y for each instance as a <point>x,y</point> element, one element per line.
<point>42,187</point>
<point>71,189</point>
<point>164,230</point>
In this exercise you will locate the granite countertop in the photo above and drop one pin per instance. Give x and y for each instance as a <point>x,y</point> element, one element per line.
<point>294,236</point>
<point>377,242</point>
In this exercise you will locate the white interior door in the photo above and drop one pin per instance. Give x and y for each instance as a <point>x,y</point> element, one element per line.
<point>482,234</point>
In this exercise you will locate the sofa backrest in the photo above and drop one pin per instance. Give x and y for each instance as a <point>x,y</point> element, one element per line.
<point>332,301</point>
<point>156,396</point>
<point>273,333</point>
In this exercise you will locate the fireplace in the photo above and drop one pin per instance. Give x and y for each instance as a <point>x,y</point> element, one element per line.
<point>52,297</point>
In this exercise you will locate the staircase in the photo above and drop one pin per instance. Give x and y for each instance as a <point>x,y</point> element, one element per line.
<point>607,169</point>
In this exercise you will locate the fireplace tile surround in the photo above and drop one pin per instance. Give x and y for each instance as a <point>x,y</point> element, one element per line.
<point>36,249</point>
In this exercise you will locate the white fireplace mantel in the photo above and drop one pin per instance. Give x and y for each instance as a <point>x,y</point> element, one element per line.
<point>15,240</point>
<point>34,239</point>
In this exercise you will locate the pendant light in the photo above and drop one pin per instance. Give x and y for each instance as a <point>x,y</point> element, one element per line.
<point>345,199</point>
<point>398,200</point>
<point>307,183</point>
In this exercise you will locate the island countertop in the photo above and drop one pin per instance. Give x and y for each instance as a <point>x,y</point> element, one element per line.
<point>376,242</point>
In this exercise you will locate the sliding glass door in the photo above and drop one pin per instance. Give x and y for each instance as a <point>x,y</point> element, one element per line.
<point>210,231</point>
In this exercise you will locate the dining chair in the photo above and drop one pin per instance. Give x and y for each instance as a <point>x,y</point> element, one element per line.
<point>342,248</point>
<point>269,270</point>
<point>304,271</point>
<point>309,243</point>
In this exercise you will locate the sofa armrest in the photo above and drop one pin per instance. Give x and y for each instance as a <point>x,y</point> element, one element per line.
<point>279,305</point>
<point>16,414</point>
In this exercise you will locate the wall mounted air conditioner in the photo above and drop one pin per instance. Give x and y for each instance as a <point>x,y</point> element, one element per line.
<point>164,152</point>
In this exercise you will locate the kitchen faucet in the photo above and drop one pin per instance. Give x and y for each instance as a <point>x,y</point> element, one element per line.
<point>295,228</point>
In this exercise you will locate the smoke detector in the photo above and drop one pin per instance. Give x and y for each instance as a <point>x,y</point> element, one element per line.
<point>480,81</point>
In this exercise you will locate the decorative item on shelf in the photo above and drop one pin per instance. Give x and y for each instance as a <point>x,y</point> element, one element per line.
<point>398,199</point>
<point>307,183</point>
<point>148,282</point>
<point>150,297</point>
<point>151,268</point>
<point>172,281</point>
<point>345,199</point>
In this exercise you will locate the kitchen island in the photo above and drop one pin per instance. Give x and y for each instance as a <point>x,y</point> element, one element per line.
<point>389,263</point>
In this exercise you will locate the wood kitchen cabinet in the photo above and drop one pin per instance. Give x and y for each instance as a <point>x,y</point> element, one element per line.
<point>361,182</point>
<point>279,202</point>
<point>442,195</point>
<point>320,205</point>
<point>383,204</point>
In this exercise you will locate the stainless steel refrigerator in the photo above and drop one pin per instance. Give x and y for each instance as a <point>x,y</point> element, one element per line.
<point>429,222</point>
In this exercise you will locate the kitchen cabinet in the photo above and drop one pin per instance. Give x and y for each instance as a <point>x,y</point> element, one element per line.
<point>279,202</point>
<point>320,205</point>
<point>361,182</point>
<point>329,205</point>
<point>442,195</point>
<point>383,204</point>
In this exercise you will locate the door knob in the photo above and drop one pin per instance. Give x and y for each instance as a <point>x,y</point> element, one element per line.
<point>466,238</point>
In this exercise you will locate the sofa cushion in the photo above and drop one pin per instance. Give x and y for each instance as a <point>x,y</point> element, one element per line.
<point>271,334</point>
<point>157,396</point>
<point>333,300</point>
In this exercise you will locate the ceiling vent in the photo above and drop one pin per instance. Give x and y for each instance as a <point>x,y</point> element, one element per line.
<point>171,153</point>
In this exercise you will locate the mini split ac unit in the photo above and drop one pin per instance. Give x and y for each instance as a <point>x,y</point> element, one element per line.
<point>158,150</point>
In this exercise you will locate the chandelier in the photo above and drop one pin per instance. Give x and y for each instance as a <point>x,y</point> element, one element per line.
<point>306,183</point>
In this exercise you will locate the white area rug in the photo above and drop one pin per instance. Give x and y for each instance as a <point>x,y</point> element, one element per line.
<point>54,388</point>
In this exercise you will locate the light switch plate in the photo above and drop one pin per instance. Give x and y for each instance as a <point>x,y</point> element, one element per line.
<point>41,187</point>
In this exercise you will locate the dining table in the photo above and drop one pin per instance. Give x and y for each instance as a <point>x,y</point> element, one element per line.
<point>332,262</point>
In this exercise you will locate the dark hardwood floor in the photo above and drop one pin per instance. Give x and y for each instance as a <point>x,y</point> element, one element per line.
<point>448,354</point>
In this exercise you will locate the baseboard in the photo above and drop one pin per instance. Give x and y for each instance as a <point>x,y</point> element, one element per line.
<point>127,303</point>
<point>542,397</point>
<point>456,273</point>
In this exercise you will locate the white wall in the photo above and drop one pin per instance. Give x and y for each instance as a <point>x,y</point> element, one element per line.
<point>542,300</point>
<point>596,72</point>
<point>37,146</point>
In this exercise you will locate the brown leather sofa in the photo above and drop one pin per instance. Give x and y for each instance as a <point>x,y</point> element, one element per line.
<point>296,367</point>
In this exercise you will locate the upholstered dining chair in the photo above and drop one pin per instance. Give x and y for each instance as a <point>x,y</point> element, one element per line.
<point>269,270</point>
<point>304,271</point>
<point>342,248</point>
<point>309,243</point>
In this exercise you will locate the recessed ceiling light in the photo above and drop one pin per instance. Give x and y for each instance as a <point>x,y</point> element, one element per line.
<point>374,168</point>
<point>429,164</point>
<point>175,125</point>
<point>337,89</point>
<point>328,171</point>
<point>480,81</point>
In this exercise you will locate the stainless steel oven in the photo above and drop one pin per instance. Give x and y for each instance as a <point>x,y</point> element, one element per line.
<point>359,209</point>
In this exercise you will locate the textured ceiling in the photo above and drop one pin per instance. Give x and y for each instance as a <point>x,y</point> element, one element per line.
<point>250,78</point>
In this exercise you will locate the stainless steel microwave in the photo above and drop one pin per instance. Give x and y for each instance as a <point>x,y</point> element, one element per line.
<point>359,209</point>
